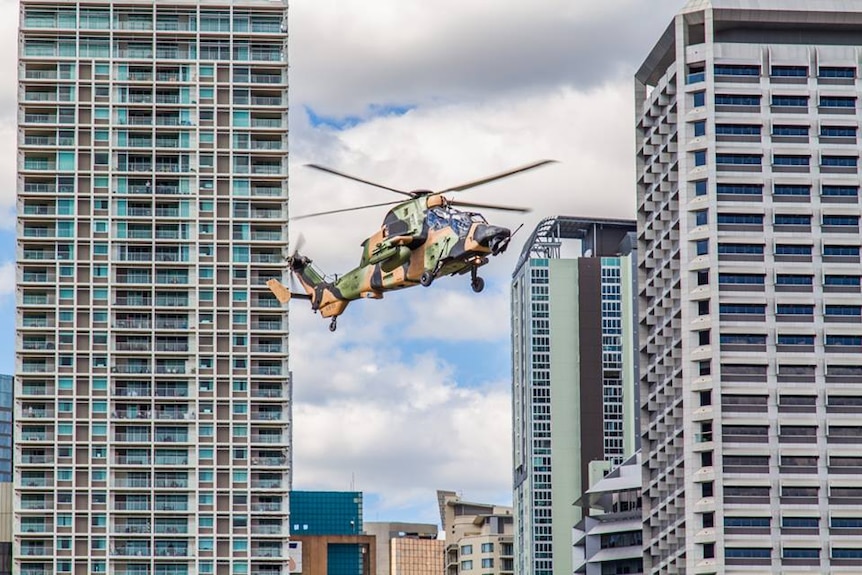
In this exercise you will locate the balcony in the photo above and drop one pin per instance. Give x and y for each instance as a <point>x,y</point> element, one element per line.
<point>271,438</point>
<point>266,507</point>
<point>132,437</point>
<point>266,416</point>
<point>130,550</point>
<point>132,459</point>
<point>28,459</point>
<point>133,527</point>
<point>36,527</point>
<point>36,413</point>
<point>267,392</point>
<point>132,323</point>
<point>266,551</point>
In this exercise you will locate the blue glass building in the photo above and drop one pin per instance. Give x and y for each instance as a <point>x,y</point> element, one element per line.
<point>326,512</point>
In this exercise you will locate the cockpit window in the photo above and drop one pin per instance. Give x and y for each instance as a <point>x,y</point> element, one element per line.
<point>460,222</point>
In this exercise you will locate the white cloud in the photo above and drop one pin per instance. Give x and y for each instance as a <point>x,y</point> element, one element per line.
<point>438,146</point>
<point>351,53</point>
<point>7,278</point>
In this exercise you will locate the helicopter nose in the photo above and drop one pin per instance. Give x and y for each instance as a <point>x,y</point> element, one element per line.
<point>495,238</point>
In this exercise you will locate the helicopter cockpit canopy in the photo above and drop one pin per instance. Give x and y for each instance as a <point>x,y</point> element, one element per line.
<point>447,216</point>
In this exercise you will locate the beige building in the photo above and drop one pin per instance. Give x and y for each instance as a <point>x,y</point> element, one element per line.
<point>479,536</point>
<point>407,548</point>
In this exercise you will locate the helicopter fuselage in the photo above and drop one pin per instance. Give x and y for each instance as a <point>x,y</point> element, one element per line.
<point>418,237</point>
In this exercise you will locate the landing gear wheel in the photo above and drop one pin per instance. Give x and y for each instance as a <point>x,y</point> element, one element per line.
<point>478,284</point>
<point>333,325</point>
<point>426,278</point>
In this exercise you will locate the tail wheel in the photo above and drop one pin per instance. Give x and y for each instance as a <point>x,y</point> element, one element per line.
<point>426,278</point>
<point>478,284</point>
<point>333,325</point>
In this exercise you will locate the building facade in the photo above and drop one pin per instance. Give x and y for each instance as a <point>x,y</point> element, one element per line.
<point>609,539</point>
<point>479,536</point>
<point>748,233</point>
<point>407,548</point>
<point>329,526</point>
<point>574,377</point>
<point>152,392</point>
<point>6,422</point>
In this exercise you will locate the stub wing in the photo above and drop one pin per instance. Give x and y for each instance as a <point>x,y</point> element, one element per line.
<point>280,292</point>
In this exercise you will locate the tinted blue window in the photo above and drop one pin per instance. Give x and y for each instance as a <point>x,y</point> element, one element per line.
<point>840,190</point>
<point>739,159</point>
<point>784,160</point>
<point>838,101</point>
<point>790,71</point>
<point>746,521</point>
<point>844,340</point>
<point>698,99</point>
<point>844,310</point>
<point>748,279</point>
<point>742,339</point>
<point>795,309</point>
<point>750,249</point>
<point>737,129</point>
<point>840,220</point>
<point>800,553</point>
<point>840,250</point>
<point>792,250</point>
<point>701,217</point>
<point>836,72</point>
<point>699,128</point>
<point>840,161</point>
<point>790,131</point>
<point>838,131</point>
<point>700,188</point>
<point>838,553</point>
<point>797,280</point>
<point>785,339</point>
<point>736,70</point>
<point>842,281</point>
<point>790,101</point>
<point>788,190</point>
<point>741,189</point>
<point>737,100</point>
<point>747,552</point>
<point>792,220</point>
<point>702,247</point>
<point>700,158</point>
<point>742,308</point>
<point>750,219</point>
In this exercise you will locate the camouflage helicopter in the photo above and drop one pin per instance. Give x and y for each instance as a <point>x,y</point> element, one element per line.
<point>422,238</point>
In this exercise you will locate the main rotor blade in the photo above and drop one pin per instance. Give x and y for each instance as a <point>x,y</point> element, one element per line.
<point>297,245</point>
<point>489,206</point>
<point>475,183</point>
<point>355,179</point>
<point>328,212</point>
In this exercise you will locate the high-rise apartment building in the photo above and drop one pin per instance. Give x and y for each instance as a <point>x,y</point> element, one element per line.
<point>574,377</point>
<point>748,233</point>
<point>6,417</point>
<point>152,391</point>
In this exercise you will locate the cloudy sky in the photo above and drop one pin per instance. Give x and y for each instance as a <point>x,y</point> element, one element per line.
<point>412,394</point>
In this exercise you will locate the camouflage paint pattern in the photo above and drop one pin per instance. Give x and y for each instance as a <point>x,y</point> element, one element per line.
<point>421,235</point>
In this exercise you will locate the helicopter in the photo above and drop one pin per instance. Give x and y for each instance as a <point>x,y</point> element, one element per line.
<point>422,238</point>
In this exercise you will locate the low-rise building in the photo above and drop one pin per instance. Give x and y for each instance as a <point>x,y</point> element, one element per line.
<point>610,538</point>
<point>479,536</point>
<point>407,548</point>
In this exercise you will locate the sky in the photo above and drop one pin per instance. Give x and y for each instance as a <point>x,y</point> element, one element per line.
<point>412,393</point>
